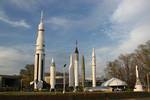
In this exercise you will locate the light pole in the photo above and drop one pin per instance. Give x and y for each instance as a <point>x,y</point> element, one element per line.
<point>64,78</point>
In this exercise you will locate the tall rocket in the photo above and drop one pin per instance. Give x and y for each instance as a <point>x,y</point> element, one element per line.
<point>76,66</point>
<point>71,72</point>
<point>52,75</point>
<point>93,68</point>
<point>83,70</point>
<point>39,57</point>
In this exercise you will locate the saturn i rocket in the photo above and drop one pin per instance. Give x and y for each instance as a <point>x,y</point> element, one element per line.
<point>93,68</point>
<point>52,75</point>
<point>71,72</point>
<point>39,57</point>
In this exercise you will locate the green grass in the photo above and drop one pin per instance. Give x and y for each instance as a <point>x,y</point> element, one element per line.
<point>70,96</point>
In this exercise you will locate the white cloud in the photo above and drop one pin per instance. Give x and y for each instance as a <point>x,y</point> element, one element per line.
<point>59,23</point>
<point>6,19</point>
<point>133,16</point>
<point>12,59</point>
<point>131,10</point>
<point>137,36</point>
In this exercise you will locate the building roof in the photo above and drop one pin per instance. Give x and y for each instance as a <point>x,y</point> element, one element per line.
<point>10,76</point>
<point>114,82</point>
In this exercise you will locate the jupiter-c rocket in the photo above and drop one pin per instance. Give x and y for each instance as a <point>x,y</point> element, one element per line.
<point>39,57</point>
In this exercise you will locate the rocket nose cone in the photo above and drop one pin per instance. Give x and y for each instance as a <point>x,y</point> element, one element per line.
<point>93,52</point>
<point>52,60</point>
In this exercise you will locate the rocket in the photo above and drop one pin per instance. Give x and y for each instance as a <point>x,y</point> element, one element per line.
<point>93,68</point>
<point>83,70</point>
<point>52,75</point>
<point>137,72</point>
<point>138,85</point>
<point>76,66</point>
<point>71,72</point>
<point>39,57</point>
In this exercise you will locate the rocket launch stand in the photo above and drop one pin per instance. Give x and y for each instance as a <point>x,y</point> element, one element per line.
<point>138,86</point>
<point>52,90</point>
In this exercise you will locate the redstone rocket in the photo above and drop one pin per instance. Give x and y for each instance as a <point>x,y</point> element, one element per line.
<point>71,72</point>
<point>39,57</point>
<point>93,68</point>
<point>52,76</point>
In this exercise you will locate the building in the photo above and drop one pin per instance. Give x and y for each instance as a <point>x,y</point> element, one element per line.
<point>10,83</point>
<point>116,84</point>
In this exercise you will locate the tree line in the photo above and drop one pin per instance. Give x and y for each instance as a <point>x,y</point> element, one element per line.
<point>124,66</point>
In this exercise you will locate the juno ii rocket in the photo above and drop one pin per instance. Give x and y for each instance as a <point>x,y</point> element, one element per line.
<point>93,68</point>
<point>39,57</point>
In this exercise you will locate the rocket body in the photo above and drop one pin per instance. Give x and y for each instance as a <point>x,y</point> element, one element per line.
<point>83,71</point>
<point>52,75</point>
<point>93,68</point>
<point>71,72</point>
<point>76,67</point>
<point>137,72</point>
<point>39,58</point>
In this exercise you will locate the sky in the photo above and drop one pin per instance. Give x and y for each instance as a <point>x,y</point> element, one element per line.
<point>112,27</point>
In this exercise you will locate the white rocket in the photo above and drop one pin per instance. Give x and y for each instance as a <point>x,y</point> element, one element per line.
<point>76,67</point>
<point>39,57</point>
<point>52,75</point>
<point>93,68</point>
<point>137,72</point>
<point>71,72</point>
<point>138,85</point>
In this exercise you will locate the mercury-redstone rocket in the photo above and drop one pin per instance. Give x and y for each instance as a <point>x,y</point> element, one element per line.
<point>52,75</point>
<point>76,67</point>
<point>39,57</point>
<point>71,72</point>
<point>93,68</point>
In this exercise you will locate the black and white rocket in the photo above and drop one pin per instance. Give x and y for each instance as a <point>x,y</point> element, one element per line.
<point>39,57</point>
<point>52,75</point>
<point>76,66</point>
<point>71,72</point>
<point>93,68</point>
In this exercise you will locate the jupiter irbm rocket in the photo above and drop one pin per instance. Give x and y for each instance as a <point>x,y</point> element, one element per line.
<point>39,57</point>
